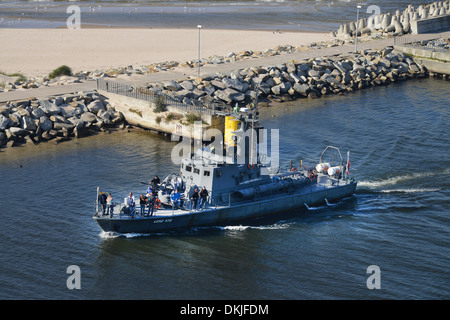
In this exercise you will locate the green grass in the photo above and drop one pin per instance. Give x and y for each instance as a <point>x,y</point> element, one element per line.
<point>173,116</point>
<point>62,70</point>
<point>20,76</point>
<point>138,112</point>
<point>192,117</point>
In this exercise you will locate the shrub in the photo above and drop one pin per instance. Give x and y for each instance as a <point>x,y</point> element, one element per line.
<point>160,104</point>
<point>62,70</point>
<point>172,116</point>
<point>192,117</point>
<point>20,76</point>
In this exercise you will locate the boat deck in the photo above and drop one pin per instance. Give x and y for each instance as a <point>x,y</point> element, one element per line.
<point>324,182</point>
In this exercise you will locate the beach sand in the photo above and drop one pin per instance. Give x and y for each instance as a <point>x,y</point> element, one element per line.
<point>36,52</point>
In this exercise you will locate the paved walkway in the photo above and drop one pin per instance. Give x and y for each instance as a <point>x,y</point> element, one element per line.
<point>182,73</point>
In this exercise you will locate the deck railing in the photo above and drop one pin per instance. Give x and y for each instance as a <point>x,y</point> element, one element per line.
<point>143,93</point>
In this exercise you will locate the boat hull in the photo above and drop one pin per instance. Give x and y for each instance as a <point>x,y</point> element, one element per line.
<point>225,215</point>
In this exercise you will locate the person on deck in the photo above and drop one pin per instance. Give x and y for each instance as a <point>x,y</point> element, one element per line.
<point>109,205</point>
<point>194,198</point>
<point>150,203</point>
<point>131,204</point>
<point>142,202</point>
<point>155,182</point>
<point>203,197</point>
<point>175,199</point>
<point>102,202</point>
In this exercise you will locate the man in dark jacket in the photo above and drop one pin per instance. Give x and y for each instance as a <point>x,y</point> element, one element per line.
<point>203,197</point>
<point>195,199</point>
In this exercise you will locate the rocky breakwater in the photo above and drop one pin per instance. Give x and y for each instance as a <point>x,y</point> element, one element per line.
<point>295,79</point>
<point>396,23</point>
<point>57,119</point>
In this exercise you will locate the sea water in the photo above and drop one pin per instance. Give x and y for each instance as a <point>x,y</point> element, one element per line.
<point>275,15</point>
<point>397,220</point>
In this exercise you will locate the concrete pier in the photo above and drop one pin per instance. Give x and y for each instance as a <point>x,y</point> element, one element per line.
<point>432,24</point>
<point>174,121</point>
<point>435,60</point>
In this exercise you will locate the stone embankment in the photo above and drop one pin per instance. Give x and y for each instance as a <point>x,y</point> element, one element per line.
<point>396,24</point>
<point>14,83</point>
<point>61,118</point>
<point>57,119</point>
<point>295,79</point>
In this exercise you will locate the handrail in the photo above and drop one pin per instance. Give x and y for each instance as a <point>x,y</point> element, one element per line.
<point>331,147</point>
<point>143,93</point>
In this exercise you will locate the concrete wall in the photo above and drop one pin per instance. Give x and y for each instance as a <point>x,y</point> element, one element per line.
<point>140,113</point>
<point>435,60</point>
<point>423,52</point>
<point>433,24</point>
<point>434,66</point>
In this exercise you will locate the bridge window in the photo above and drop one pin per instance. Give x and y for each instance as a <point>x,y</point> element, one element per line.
<point>206,173</point>
<point>196,171</point>
<point>188,168</point>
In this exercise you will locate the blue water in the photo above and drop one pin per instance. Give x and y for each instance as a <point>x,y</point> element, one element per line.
<point>292,15</point>
<point>398,220</point>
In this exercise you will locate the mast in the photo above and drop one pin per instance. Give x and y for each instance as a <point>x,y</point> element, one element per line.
<point>255,114</point>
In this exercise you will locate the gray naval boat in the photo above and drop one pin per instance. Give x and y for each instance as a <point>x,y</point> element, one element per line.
<point>237,193</point>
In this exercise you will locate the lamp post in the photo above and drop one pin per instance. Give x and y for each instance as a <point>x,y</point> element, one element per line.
<point>198,63</point>
<point>356,31</point>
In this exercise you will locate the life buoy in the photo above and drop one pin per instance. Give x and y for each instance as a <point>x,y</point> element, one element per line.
<point>157,203</point>
<point>251,166</point>
<point>294,169</point>
<point>311,176</point>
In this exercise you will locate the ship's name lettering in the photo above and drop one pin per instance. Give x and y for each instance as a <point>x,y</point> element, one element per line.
<point>162,220</point>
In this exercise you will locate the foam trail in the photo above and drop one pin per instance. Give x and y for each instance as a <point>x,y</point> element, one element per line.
<point>412,190</point>
<point>112,235</point>
<point>397,179</point>
<point>268,227</point>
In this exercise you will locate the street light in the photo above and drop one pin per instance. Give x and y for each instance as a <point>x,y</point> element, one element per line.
<point>198,63</point>
<point>356,31</point>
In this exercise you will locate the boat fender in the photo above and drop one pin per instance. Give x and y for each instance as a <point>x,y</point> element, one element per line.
<point>157,203</point>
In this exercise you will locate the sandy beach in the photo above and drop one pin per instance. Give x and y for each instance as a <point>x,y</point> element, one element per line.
<point>36,52</point>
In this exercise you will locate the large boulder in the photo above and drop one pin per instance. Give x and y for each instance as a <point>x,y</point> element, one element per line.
<point>88,117</point>
<point>68,111</point>
<point>229,95</point>
<point>3,138</point>
<point>45,123</point>
<point>4,122</point>
<point>49,108</point>
<point>37,113</point>
<point>218,84</point>
<point>302,89</point>
<point>187,85</point>
<point>95,106</point>
<point>234,84</point>
<point>16,131</point>
<point>172,85</point>
<point>29,124</point>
